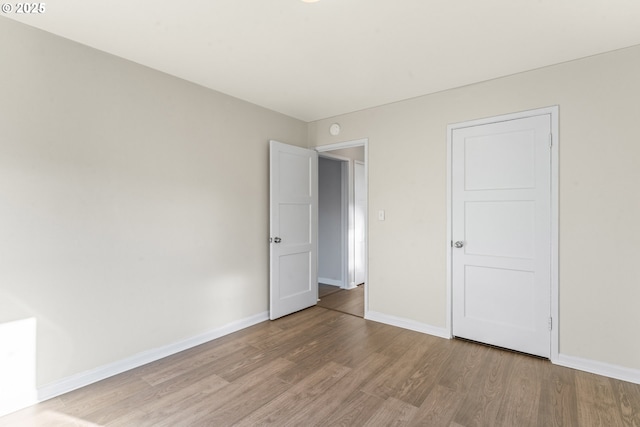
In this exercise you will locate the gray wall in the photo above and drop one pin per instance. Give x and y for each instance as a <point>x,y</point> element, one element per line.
<point>330,245</point>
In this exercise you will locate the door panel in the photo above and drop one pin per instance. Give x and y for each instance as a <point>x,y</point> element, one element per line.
<point>500,161</point>
<point>501,229</point>
<point>294,277</point>
<point>293,172</point>
<point>515,287</point>
<point>501,204</point>
<point>293,229</point>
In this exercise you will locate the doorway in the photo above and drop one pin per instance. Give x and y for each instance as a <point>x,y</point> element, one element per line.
<point>342,225</point>
<point>348,301</point>
<point>502,231</point>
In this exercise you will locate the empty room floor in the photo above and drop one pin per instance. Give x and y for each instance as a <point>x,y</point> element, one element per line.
<point>325,368</point>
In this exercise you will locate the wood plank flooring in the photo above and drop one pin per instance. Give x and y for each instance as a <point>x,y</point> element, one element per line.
<point>346,301</point>
<point>320,367</point>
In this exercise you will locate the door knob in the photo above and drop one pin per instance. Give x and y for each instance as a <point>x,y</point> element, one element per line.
<point>277,240</point>
<point>458,244</point>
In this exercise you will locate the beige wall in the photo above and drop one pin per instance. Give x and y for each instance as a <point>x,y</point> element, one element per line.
<point>599,99</point>
<point>133,205</point>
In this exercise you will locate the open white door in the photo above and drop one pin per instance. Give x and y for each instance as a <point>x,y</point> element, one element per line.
<point>293,229</point>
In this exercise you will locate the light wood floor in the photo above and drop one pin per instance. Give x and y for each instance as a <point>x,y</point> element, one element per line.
<point>326,368</point>
<point>346,301</point>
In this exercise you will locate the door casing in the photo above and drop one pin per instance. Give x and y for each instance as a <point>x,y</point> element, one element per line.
<point>553,112</point>
<point>359,223</point>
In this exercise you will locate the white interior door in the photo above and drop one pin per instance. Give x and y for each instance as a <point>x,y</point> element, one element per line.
<point>293,229</point>
<point>501,230</point>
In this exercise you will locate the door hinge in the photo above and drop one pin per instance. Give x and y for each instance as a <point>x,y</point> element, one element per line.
<point>550,140</point>
<point>550,323</point>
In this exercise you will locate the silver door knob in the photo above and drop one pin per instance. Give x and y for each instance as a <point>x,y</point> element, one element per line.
<point>277,240</point>
<point>458,244</point>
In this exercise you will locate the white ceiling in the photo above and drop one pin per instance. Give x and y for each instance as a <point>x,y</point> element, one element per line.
<point>317,60</point>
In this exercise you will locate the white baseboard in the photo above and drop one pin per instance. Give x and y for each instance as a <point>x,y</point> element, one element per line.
<point>332,282</point>
<point>88,377</point>
<point>599,368</point>
<point>82,379</point>
<point>407,324</point>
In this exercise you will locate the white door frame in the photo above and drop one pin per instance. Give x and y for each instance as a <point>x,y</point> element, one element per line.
<point>553,112</point>
<point>354,164</point>
<point>364,142</point>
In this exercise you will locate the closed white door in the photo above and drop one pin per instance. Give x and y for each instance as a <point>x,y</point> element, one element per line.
<point>501,259</point>
<point>293,229</point>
